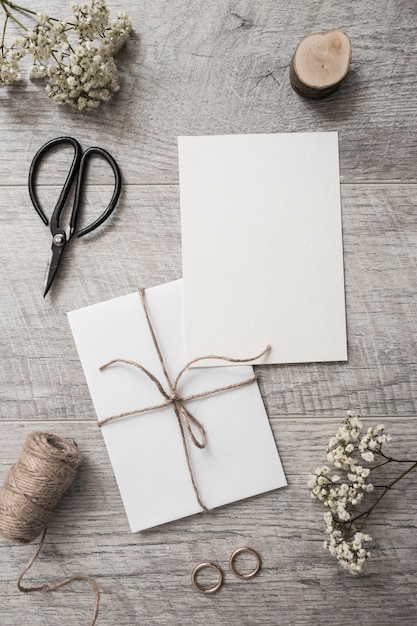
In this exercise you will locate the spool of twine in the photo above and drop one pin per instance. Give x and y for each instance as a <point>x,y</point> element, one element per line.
<point>45,469</point>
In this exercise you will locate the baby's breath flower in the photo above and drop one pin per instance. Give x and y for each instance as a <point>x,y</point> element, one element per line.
<point>368,456</point>
<point>76,56</point>
<point>342,494</point>
<point>9,69</point>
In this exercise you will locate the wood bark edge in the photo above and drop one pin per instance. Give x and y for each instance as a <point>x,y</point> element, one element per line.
<point>320,63</point>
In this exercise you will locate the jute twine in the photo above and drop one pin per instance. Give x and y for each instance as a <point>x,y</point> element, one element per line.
<point>45,469</point>
<point>185,418</point>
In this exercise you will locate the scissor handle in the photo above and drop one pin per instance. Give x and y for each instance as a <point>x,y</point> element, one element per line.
<point>116,192</point>
<point>33,171</point>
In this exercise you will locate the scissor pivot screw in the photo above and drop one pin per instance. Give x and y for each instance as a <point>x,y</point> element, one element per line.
<point>59,240</point>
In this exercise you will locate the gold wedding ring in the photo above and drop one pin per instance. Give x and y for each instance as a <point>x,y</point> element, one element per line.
<point>209,590</point>
<point>246,575</point>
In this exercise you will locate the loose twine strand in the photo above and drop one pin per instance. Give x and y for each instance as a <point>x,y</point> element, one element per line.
<point>184,417</point>
<point>45,469</point>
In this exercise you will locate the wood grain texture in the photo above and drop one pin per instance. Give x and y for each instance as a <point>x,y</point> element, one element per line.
<point>193,67</point>
<point>320,63</point>
<point>145,578</point>
<point>379,378</point>
<point>40,374</point>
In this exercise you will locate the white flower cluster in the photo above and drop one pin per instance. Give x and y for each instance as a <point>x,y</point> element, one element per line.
<point>342,496</point>
<point>9,67</point>
<point>350,553</point>
<point>372,442</point>
<point>76,57</point>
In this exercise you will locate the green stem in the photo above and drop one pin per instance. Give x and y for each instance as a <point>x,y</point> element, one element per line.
<point>6,19</point>
<point>9,15</point>
<point>12,5</point>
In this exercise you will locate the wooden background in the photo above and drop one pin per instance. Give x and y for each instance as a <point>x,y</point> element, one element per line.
<point>220,67</point>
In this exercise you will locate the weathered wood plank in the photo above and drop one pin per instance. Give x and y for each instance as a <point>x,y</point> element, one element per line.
<point>145,578</point>
<point>140,245</point>
<point>380,376</point>
<point>41,377</point>
<point>194,67</point>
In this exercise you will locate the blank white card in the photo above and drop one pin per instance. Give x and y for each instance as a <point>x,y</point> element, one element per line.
<point>262,246</point>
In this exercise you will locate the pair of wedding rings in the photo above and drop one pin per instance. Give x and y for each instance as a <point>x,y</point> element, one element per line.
<point>218,570</point>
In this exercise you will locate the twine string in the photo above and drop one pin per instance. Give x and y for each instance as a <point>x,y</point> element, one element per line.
<point>46,467</point>
<point>60,583</point>
<point>186,420</point>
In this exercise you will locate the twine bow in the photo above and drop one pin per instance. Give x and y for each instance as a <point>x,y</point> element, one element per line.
<point>172,397</point>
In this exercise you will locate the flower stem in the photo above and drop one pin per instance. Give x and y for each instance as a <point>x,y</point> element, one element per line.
<point>367,513</point>
<point>9,15</point>
<point>6,19</point>
<point>12,5</point>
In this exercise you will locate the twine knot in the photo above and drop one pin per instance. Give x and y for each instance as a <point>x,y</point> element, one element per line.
<point>187,422</point>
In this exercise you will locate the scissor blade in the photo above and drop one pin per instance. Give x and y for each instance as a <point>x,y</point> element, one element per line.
<point>52,267</point>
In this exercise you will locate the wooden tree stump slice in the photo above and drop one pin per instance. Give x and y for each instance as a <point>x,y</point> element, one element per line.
<point>320,63</point>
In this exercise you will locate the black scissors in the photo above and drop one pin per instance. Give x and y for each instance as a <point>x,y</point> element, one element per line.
<point>76,174</point>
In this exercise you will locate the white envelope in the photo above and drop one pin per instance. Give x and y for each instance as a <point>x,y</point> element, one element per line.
<point>262,246</point>
<point>146,450</point>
